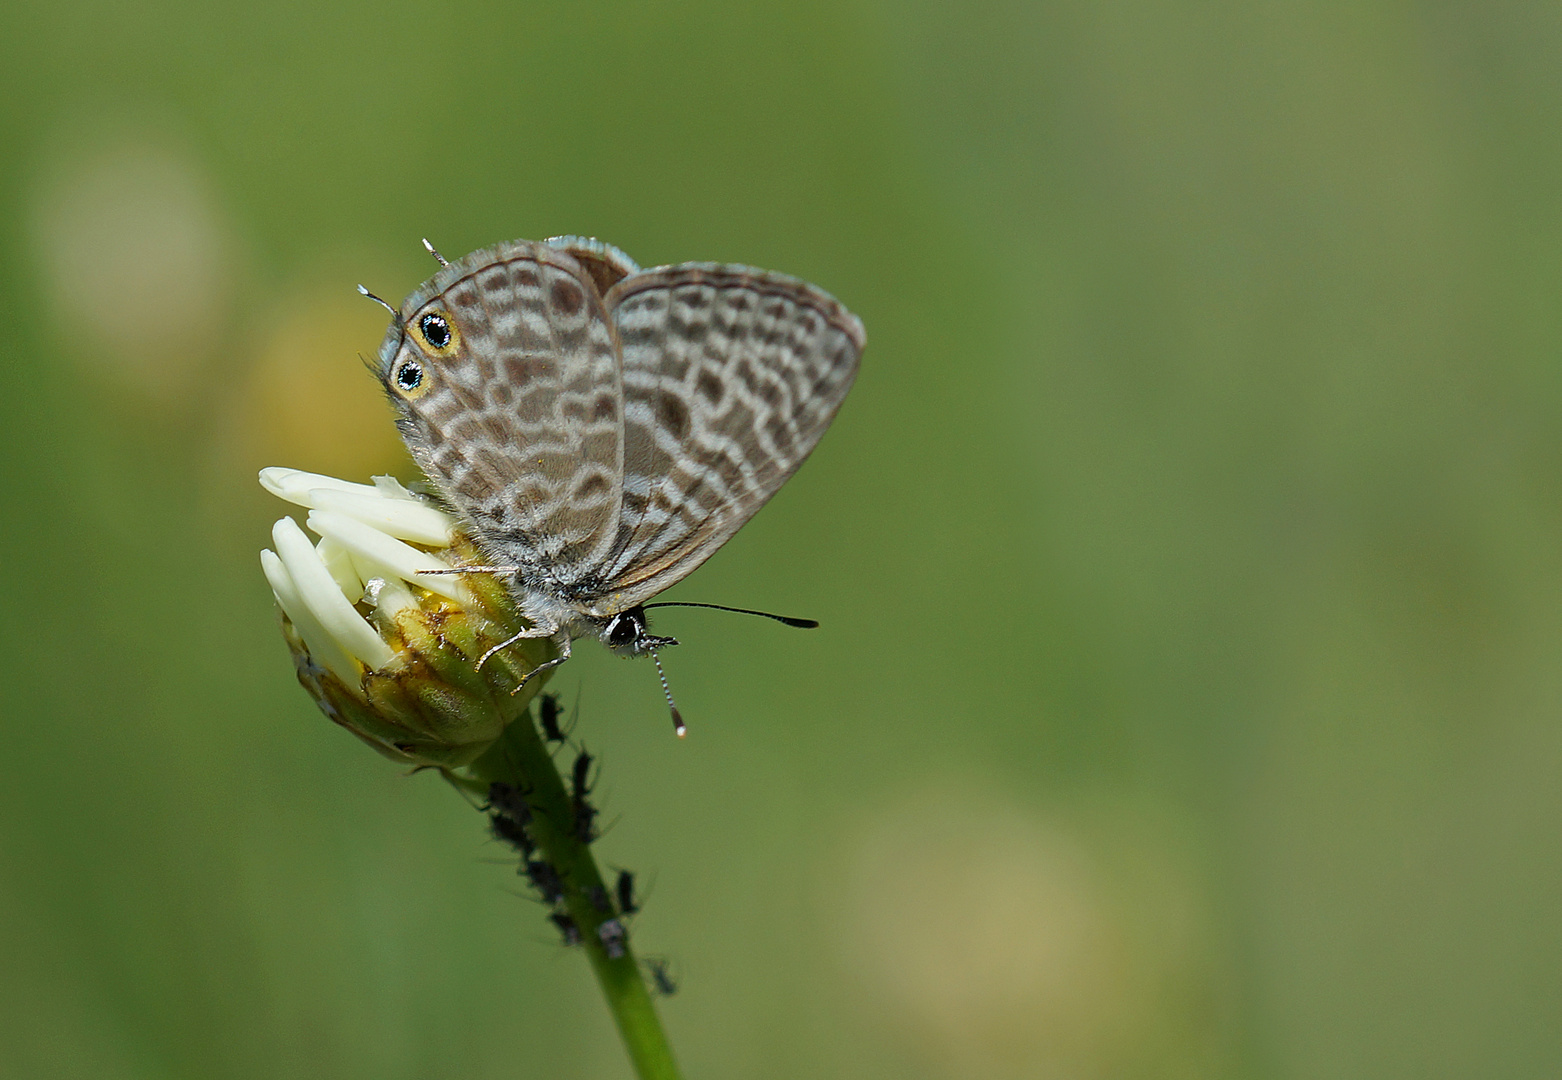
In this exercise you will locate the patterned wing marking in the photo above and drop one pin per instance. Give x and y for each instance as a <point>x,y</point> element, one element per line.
<point>604,262</point>
<point>521,430</point>
<point>731,376</point>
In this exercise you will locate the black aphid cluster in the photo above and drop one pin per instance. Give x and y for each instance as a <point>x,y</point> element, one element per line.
<point>511,817</point>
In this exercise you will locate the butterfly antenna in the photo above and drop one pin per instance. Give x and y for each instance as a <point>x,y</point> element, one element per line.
<point>396,315</point>
<point>434,253</point>
<point>801,624</point>
<point>678,725</point>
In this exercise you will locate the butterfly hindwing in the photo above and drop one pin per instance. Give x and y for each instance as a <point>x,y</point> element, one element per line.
<point>730,377</point>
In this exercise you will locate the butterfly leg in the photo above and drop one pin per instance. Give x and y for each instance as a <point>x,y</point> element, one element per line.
<point>529,634</point>
<point>561,639</point>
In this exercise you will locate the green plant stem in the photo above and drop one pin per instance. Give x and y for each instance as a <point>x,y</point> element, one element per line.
<point>521,758</point>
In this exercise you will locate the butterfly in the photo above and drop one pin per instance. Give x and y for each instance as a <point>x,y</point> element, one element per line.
<point>600,429</point>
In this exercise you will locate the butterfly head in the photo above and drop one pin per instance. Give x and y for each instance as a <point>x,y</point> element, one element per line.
<point>626,634</point>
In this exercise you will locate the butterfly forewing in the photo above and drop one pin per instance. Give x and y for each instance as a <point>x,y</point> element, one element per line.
<point>520,426</point>
<point>730,377</point>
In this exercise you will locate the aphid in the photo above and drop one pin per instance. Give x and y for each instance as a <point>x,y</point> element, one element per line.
<point>509,831</point>
<point>508,800</point>
<point>585,821</point>
<point>545,879</point>
<point>625,888</point>
<point>598,897</point>
<point>548,712</point>
<point>582,774</point>
<point>614,938</point>
<point>566,927</point>
<point>661,981</point>
<point>585,813</point>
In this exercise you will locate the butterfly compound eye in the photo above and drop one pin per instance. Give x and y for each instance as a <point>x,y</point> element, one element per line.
<point>435,329</point>
<point>624,629</point>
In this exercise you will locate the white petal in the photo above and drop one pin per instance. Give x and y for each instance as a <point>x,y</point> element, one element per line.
<point>323,648</point>
<point>339,561</point>
<point>388,555</point>
<point>405,519</point>
<point>294,485</point>
<point>323,596</point>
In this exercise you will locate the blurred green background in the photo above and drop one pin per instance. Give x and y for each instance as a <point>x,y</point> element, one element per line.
<point>1187,702</point>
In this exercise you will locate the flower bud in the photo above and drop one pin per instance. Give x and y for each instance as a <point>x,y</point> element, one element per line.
<point>390,653</point>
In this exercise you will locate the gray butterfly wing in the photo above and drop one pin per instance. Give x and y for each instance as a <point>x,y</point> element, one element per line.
<point>731,376</point>
<point>517,419</point>
<point>605,263</point>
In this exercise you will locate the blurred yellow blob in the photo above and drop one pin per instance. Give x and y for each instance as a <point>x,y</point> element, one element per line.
<point>309,403</point>
<point>1010,946</point>
<point>137,260</point>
